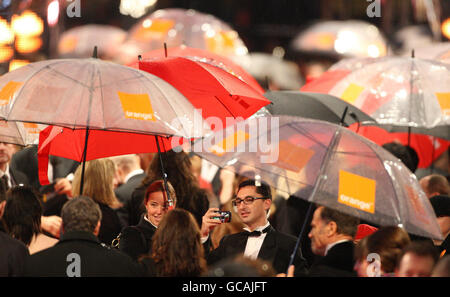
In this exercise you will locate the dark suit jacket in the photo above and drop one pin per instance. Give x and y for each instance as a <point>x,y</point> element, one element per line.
<point>26,161</point>
<point>339,261</point>
<point>13,254</point>
<point>136,242</point>
<point>95,258</point>
<point>18,177</point>
<point>276,249</point>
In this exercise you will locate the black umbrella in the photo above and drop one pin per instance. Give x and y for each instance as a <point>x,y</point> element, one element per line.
<point>315,106</point>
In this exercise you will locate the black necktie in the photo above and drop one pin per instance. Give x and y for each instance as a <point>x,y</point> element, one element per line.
<point>5,181</point>
<point>256,233</point>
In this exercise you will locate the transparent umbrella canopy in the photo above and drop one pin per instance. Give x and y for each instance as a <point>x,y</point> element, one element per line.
<point>22,134</point>
<point>401,94</point>
<point>176,27</point>
<point>327,164</point>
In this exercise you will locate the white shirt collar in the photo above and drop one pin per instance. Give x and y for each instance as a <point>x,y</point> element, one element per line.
<point>260,228</point>
<point>133,173</point>
<point>333,244</point>
<point>145,218</point>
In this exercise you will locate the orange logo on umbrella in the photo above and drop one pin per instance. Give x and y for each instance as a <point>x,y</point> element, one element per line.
<point>293,157</point>
<point>357,191</point>
<point>8,91</point>
<point>444,102</point>
<point>137,106</point>
<point>229,143</point>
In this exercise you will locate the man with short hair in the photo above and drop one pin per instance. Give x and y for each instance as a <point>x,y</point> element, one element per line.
<point>332,235</point>
<point>259,240</point>
<point>435,184</point>
<point>79,252</point>
<point>418,259</point>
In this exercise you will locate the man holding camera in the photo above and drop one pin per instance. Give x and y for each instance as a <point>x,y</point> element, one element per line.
<point>259,239</point>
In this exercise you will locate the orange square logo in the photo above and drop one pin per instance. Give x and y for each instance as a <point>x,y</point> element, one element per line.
<point>357,191</point>
<point>444,102</point>
<point>292,157</point>
<point>8,91</point>
<point>137,106</point>
<point>230,143</point>
<point>352,93</point>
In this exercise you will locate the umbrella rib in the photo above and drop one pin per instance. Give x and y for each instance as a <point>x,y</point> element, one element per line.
<point>168,101</point>
<point>306,134</point>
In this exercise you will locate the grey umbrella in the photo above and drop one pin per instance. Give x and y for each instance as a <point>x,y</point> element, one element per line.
<point>315,106</point>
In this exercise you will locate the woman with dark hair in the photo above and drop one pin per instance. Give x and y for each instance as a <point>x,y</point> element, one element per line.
<point>176,248</point>
<point>179,172</point>
<point>22,218</point>
<point>137,240</point>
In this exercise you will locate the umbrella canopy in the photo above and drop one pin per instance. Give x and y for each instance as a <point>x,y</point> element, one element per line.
<point>351,38</point>
<point>21,134</point>
<point>281,73</point>
<point>325,164</point>
<point>208,57</point>
<point>175,27</point>
<point>80,93</point>
<point>315,106</point>
<point>79,41</point>
<point>216,92</point>
<point>401,94</point>
<point>71,144</point>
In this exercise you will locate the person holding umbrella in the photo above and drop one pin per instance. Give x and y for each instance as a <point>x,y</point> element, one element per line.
<point>259,240</point>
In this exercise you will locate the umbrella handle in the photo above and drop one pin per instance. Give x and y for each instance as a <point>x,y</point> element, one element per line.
<point>164,175</point>
<point>297,244</point>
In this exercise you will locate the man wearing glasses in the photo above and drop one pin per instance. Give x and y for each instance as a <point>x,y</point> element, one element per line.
<point>259,239</point>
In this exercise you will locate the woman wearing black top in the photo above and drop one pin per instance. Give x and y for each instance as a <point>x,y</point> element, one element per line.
<point>137,240</point>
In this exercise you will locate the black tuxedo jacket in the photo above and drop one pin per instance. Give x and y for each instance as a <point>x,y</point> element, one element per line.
<point>136,242</point>
<point>277,248</point>
<point>339,261</point>
<point>18,177</point>
<point>95,259</point>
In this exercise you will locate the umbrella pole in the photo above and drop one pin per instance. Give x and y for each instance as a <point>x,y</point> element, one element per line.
<point>300,236</point>
<point>342,123</point>
<point>169,199</point>
<point>84,160</point>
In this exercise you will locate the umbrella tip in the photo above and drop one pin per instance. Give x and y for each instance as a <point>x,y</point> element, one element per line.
<point>165,49</point>
<point>412,53</point>
<point>140,57</point>
<point>94,54</point>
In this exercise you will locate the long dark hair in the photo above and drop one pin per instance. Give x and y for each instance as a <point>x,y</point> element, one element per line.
<point>178,168</point>
<point>176,246</point>
<point>23,213</point>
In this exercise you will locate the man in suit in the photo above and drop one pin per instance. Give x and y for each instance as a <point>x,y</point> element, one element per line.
<point>11,175</point>
<point>331,237</point>
<point>79,252</point>
<point>259,240</point>
<point>130,176</point>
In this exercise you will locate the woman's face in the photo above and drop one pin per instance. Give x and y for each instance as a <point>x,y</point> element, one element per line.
<point>156,207</point>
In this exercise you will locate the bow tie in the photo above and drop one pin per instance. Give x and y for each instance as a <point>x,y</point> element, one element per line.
<point>256,233</point>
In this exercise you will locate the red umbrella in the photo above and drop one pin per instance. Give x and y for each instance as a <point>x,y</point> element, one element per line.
<point>205,56</point>
<point>216,92</point>
<point>71,144</point>
<point>428,148</point>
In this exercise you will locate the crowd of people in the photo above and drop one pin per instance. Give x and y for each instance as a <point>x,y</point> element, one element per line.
<point>130,219</point>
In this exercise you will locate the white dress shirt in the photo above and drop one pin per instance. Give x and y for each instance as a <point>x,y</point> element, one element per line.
<point>131,174</point>
<point>254,243</point>
<point>6,172</point>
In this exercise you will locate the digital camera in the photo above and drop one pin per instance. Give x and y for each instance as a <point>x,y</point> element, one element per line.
<point>224,216</point>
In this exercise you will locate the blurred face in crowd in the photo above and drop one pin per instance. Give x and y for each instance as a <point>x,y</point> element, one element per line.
<point>254,214</point>
<point>156,207</point>
<point>412,265</point>
<point>319,233</point>
<point>6,152</point>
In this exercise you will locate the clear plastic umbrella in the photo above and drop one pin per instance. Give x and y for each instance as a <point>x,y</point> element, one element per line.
<point>351,38</point>
<point>175,27</point>
<point>19,133</point>
<point>401,94</point>
<point>79,41</point>
<point>327,164</point>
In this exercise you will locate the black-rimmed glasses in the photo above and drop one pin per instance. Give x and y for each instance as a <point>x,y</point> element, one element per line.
<point>247,200</point>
